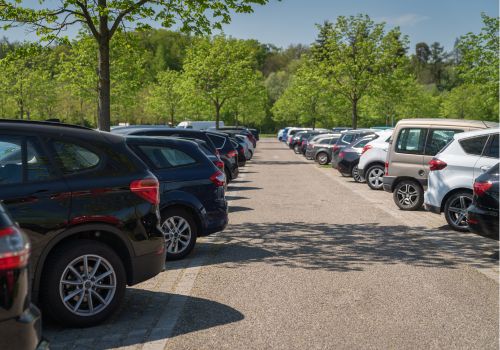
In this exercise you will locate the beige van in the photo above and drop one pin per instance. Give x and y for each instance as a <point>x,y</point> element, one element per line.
<point>412,145</point>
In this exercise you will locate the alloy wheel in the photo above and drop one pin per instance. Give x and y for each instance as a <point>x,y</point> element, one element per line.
<point>375,177</point>
<point>356,175</point>
<point>177,232</point>
<point>407,195</point>
<point>87,285</point>
<point>322,159</point>
<point>457,211</point>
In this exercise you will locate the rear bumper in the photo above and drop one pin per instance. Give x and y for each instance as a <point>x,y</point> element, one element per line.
<point>216,221</point>
<point>149,265</point>
<point>388,183</point>
<point>483,222</point>
<point>23,332</point>
<point>344,167</point>
<point>432,208</point>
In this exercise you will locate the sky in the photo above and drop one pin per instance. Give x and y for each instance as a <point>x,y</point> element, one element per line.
<point>293,21</point>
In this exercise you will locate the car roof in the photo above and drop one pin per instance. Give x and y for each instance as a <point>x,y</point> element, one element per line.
<point>60,129</point>
<point>161,140</point>
<point>131,129</point>
<point>445,121</point>
<point>464,135</point>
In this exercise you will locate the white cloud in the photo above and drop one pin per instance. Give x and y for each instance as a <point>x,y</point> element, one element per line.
<point>405,20</point>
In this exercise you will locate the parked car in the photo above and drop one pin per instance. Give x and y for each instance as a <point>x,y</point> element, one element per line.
<point>339,129</point>
<point>414,143</point>
<point>242,150</point>
<point>321,150</point>
<point>452,174</point>
<point>312,142</point>
<point>192,201</point>
<point>238,130</point>
<point>255,133</point>
<point>236,134</point>
<point>20,319</point>
<point>482,215</point>
<point>372,160</point>
<point>346,138</point>
<point>219,144</point>
<point>291,135</point>
<point>90,208</point>
<point>348,158</point>
<point>300,140</point>
<point>199,125</point>
<point>280,134</point>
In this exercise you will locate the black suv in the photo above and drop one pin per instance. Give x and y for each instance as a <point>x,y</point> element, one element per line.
<point>20,321</point>
<point>90,208</point>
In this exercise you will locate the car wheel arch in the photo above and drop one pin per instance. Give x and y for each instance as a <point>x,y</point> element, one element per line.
<point>108,235</point>
<point>451,193</point>
<point>405,178</point>
<point>369,165</point>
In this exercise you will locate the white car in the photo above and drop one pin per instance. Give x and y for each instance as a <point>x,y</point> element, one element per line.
<point>372,161</point>
<point>280,134</point>
<point>452,174</point>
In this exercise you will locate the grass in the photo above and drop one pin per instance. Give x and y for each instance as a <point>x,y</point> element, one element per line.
<point>268,135</point>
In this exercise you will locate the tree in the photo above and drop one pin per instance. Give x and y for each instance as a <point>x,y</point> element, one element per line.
<point>220,69</point>
<point>356,56</point>
<point>251,106</point>
<point>166,96</point>
<point>103,18</point>
<point>479,62</point>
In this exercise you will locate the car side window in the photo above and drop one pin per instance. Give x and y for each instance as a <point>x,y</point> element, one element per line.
<point>325,141</point>
<point>492,150</point>
<point>411,140</point>
<point>21,160</point>
<point>75,158</point>
<point>474,145</point>
<point>437,139</point>
<point>166,157</point>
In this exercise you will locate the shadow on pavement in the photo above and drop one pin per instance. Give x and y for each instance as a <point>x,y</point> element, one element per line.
<point>350,247</point>
<point>234,209</point>
<point>134,322</point>
<point>241,188</point>
<point>235,198</point>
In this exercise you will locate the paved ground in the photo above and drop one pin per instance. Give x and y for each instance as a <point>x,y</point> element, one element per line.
<point>312,260</point>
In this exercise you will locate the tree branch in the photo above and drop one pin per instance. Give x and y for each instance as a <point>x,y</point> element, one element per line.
<point>125,12</point>
<point>88,19</point>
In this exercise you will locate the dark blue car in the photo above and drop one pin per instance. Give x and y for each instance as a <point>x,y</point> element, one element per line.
<point>192,195</point>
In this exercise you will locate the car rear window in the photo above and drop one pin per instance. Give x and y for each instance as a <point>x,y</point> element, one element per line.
<point>492,150</point>
<point>347,138</point>
<point>474,145</point>
<point>163,157</point>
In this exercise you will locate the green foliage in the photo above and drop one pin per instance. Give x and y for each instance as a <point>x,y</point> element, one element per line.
<point>355,55</point>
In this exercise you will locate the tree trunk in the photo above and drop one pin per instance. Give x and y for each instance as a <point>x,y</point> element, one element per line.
<point>217,114</point>
<point>355,114</point>
<point>314,123</point>
<point>172,113</point>
<point>104,121</point>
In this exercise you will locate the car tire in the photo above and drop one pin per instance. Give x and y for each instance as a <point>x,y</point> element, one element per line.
<point>296,149</point>
<point>180,231</point>
<point>60,281</point>
<point>356,175</point>
<point>374,177</point>
<point>322,158</point>
<point>250,155</point>
<point>408,195</point>
<point>455,210</point>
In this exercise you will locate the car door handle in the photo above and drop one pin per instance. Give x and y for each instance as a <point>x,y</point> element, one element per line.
<point>485,168</point>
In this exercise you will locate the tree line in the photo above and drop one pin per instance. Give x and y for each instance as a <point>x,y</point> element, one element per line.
<point>356,73</point>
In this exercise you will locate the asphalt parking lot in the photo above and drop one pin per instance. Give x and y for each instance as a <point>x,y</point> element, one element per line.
<point>311,260</point>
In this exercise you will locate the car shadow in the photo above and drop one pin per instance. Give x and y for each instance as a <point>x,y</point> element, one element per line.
<point>234,209</point>
<point>241,188</point>
<point>348,247</point>
<point>235,198</point>
<point>139,320</point>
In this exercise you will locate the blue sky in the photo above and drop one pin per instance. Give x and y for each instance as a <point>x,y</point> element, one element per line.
<point>293,21</point>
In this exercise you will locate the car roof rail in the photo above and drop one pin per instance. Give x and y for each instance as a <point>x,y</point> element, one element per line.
<point>51,122</point>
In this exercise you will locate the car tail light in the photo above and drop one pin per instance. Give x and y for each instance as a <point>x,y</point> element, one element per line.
<point>480,188</point>
<point>232,153</point>
<point>386,166</point>
<point>341,154</point>
<point>14,250</point>
<point>219,164</point>
<point>148,188</point>
<point>219,179</point>
<point>436,164</point>
<point>335,148</point>
<point>242,151</point>
<point>366,148</point>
